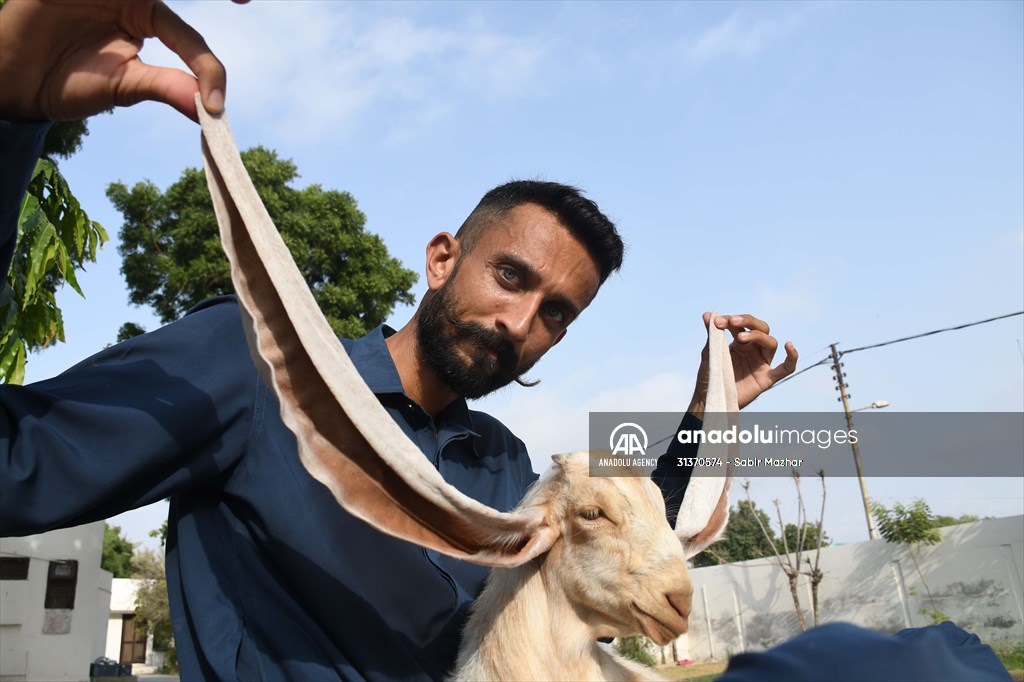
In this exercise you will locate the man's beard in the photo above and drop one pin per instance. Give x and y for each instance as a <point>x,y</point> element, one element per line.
<point>439,333</point>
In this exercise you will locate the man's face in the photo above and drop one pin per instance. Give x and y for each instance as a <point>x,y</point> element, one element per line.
<point>506,302</point>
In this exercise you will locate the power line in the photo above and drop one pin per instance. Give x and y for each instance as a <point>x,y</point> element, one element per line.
<point>827,359</point>
<point>823,361</point>
<point>936,331</point>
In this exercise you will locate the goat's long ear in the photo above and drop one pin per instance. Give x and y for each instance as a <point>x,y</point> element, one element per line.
<point>704,512</point>
<point>346,439</point>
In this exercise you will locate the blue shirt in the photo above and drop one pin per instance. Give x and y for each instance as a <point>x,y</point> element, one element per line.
<point>841,652</point>
<point>268,577</point>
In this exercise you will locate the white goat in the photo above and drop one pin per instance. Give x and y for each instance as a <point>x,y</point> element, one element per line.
<point>581,558</point>
<point>616,570</point>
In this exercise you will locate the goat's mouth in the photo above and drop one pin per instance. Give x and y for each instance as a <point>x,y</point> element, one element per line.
<point>661,631</point>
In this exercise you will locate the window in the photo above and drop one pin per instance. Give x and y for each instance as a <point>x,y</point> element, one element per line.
<point>14,568</point>
<point>60,585</point>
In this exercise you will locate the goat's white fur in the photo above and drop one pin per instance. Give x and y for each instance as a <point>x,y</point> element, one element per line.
<point>620,574</point>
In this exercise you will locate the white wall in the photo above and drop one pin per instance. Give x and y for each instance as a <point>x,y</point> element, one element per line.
<point>25,652</point>
<point>122,601</point>
<point>975,575</point>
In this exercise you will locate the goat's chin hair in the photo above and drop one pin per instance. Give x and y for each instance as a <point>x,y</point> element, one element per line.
<point>526,383</point>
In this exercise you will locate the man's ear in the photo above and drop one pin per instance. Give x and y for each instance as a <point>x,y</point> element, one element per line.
<point>561,335</point>
<point>443,253</point>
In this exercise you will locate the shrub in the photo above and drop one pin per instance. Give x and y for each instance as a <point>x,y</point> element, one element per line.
<point>636,648</point>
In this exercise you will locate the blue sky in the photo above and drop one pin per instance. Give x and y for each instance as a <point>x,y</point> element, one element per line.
<point>850,172</point>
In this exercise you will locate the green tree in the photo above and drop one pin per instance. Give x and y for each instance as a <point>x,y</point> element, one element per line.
<point>172,257</point>
<point>117,552</point>
<point>910,526</point>
<point>55,238</point>
<point>129,330</point>
<point>152,605</point>
<point>161,533</point>
<point>808,538</point>
<point>64,138</point>
<point>743,537</point>
<point>941,521</point>
<point>636,648</point>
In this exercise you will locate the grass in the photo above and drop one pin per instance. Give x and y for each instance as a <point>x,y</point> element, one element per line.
<point>1012,656</point>
<point>701,672</point>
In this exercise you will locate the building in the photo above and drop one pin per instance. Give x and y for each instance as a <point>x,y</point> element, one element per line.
<point>54,604</point>
<point>126,641</point>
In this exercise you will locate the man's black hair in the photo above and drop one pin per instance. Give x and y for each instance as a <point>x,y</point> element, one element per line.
<point>575,212</point>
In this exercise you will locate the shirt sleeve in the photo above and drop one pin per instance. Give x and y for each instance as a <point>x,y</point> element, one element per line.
<point>673,479</point>
<point>20,147</point>
<point>161,413</point>
<point>841,652</point>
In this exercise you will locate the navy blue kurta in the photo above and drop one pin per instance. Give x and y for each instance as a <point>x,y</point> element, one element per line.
<point>268,577</point>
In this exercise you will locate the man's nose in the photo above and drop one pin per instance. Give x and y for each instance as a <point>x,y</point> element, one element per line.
<point>515,321</point>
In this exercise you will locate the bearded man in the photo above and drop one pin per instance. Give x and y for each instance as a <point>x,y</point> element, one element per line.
<point>267,577</point>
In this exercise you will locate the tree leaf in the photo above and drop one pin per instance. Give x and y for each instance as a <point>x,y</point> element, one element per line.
<point>12,362</point>
<point>55,238</point>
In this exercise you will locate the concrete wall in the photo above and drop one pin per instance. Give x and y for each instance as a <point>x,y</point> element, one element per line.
<point>976,576</point>
<point>122,601</point>
<point>26,651</point>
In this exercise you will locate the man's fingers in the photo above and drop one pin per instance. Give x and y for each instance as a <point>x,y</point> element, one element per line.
<point>142,82</point>
<point>186,42</point>
<point>747,329</point>
<point>766,343</point>
<point>788,365</point>
<point>737,323</point>
<point>748,322</point>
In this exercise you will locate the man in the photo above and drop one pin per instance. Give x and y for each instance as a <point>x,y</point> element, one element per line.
<point>268,579</point>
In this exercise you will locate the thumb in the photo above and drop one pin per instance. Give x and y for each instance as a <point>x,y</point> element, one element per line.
<point>142,82</point>
<point>178,88</point>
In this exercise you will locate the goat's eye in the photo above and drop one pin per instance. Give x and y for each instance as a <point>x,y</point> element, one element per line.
<point>591,514</point>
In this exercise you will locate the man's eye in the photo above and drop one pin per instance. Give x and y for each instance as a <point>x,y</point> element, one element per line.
<point>508,274</point>
<point>556,313</point>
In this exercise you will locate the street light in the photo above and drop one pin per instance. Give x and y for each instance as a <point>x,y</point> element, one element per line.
<point>877,405</point>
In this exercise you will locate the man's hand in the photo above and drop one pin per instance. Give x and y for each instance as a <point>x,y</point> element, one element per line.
<point>752,352</point>
<point>68,59</point>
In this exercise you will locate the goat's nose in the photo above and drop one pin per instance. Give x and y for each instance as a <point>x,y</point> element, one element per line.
<point>682,601</point>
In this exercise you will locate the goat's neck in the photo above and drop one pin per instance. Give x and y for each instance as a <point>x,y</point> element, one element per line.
<point>523,627</point>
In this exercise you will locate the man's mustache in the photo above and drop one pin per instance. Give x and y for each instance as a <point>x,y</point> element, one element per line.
<point>487,338</point>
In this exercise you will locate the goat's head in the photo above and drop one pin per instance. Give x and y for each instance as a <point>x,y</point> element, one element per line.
<point>617,560</point>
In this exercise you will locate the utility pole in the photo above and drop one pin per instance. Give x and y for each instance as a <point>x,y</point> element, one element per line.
<point>845,399</point>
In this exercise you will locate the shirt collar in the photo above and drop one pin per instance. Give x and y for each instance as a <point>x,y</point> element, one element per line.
<point>373,361</point>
